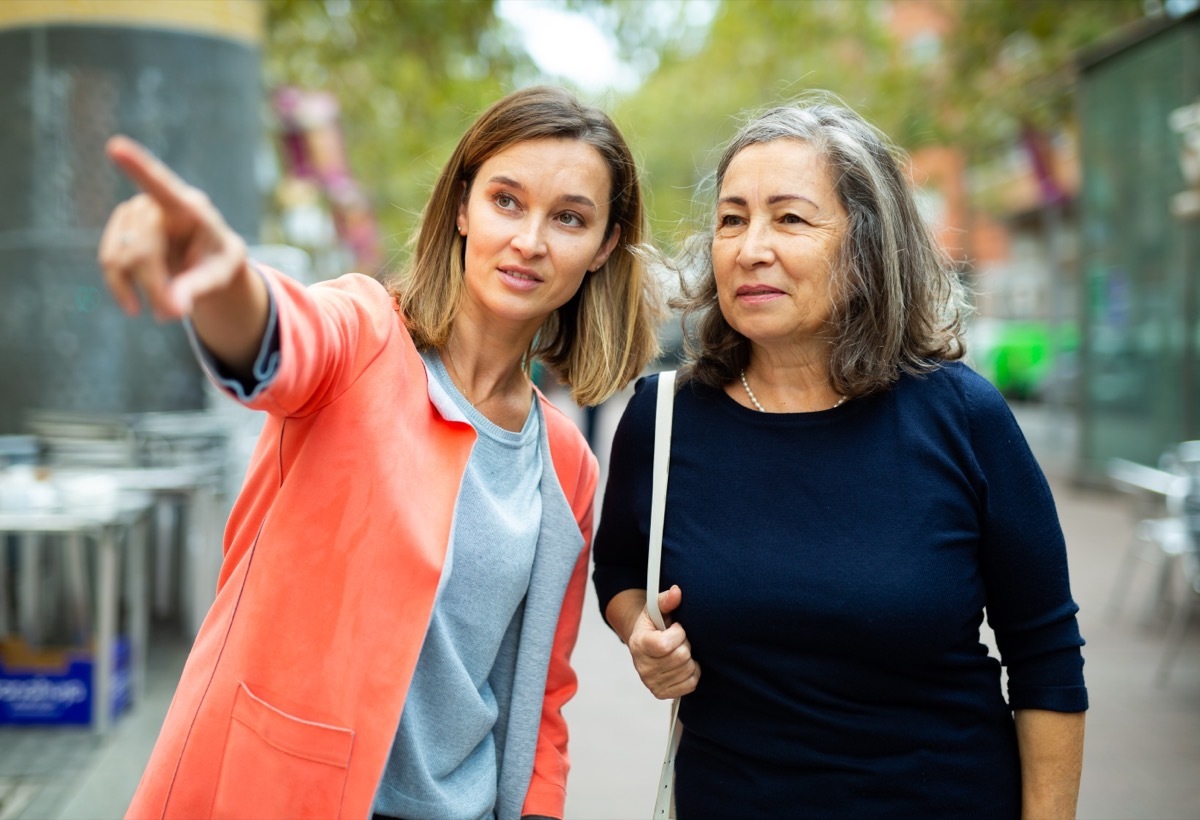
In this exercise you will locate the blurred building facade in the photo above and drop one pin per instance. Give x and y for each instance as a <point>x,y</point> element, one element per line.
<point>181,77</point>
<point>1139,114</point>
<point>1081,246</point>
<point>1008,219</point>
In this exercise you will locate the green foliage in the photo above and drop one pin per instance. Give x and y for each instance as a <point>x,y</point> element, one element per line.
<point>409,77</point>
<point>758,53</point>
<point>1011,64</point>
<point>1003,64</point>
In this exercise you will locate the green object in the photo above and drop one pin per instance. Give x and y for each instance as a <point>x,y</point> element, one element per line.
<point>1021,356</point>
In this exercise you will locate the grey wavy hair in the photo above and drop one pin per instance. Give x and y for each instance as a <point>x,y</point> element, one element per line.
<point>899,304</point>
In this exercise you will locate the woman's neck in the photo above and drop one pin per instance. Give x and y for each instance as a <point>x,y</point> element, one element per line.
<point>487,368</point>
<point>786,382</point>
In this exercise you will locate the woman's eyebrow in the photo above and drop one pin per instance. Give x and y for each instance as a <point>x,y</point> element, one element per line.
<point>772,200</point>
<point>777,198</point>
<point>579,199</point>
<point>509,182</point>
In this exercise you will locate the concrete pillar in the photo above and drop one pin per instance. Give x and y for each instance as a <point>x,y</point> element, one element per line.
<point>183,78</point>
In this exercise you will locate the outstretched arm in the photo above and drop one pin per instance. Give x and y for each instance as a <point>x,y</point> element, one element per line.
<point>172,246</point>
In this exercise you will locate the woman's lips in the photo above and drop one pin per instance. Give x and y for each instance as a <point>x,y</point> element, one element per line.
<point>758,293</point>
<point>519,278</point>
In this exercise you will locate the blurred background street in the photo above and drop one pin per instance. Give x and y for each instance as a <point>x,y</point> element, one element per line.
<point>1056,151</point>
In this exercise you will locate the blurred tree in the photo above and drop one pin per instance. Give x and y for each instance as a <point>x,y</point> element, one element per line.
<point>1011,64</point>
<point>1004,67</point>
<point>409,77</point>
<point>759,52</point>
<point>645,33</point>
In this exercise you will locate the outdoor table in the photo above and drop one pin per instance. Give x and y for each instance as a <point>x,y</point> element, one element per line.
<point>110,527</point>
<point>195,488</point>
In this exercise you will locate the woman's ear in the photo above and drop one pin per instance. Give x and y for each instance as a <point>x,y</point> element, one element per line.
<point>606,250</point>
<point>461,219</point>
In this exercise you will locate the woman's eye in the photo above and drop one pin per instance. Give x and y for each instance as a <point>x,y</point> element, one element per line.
<point>505,201</point>
<point>729,220</point>
<point>571,220</point>
<point>793,219</point>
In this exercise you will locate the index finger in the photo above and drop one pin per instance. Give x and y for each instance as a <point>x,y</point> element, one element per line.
<point>148,172</point>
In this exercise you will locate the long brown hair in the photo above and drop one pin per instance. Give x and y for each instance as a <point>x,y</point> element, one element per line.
<point>607,332</point>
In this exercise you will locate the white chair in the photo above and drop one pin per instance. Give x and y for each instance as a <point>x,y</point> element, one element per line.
<point>1160,536</point>
<point>1186,459</point>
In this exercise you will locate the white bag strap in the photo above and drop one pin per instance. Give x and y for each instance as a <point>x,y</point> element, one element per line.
<point>658,494</point>
<point>664,805</point>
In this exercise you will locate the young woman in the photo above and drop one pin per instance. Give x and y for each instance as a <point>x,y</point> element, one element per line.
<point>405,566</point>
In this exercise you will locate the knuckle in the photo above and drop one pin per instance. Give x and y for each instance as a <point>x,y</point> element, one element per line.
<point>195,196</point>
<point>140,205</point>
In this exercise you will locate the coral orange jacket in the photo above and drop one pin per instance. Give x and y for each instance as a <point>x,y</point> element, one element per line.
<point>291,695</point>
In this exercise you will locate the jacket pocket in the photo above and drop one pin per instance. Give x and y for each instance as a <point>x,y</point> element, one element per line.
<point>279,766</point>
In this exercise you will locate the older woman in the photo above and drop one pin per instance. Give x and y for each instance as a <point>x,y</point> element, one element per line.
<point>846,500</point>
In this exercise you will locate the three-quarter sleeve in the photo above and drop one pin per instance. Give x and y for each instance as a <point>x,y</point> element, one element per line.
<point>1023,557</point>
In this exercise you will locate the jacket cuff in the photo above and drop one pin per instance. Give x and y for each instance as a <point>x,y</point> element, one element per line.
<point>266,363</point>
<point>544,799</point>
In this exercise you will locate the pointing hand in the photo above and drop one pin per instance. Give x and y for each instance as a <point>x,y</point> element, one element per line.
<point>168,242</point>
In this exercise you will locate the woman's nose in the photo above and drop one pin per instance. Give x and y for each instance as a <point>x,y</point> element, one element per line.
<point>529,240</point>
<point>756,248</point>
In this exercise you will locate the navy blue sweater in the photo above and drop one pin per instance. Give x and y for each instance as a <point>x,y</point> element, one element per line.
<point>835,569</point>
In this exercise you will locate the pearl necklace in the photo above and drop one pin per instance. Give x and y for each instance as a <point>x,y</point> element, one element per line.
<point>761,409</point>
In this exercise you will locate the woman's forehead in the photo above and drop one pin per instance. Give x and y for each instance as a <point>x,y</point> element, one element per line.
<point>779,167</point>
<point>552,166</point>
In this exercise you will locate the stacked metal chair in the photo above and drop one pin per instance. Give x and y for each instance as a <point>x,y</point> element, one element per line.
<point>1185,459</point>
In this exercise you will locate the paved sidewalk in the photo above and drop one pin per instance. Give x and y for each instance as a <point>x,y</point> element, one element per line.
<point>1143,746</point>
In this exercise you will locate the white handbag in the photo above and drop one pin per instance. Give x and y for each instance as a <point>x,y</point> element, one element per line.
<point>664,806</point>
